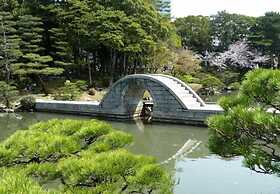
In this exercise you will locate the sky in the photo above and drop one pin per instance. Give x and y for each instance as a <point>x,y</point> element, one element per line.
<point>181,8</point>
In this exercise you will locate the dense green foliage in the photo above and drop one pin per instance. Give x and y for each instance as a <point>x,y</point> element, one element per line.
<point>9,44</point>
<point>195,32</point>
<point>211,83</point>
<point>81,156</point>
<point>229,28</point>
<point>70,91</point>
<point>247,128</point>
<point>102,41</point>
<point>186,63</point>
<point>81,39</point>
<point>266,36</point>
<point>230,45</point>
<point>28,103</point>
<point>216,32</point>
<point>7,93</point>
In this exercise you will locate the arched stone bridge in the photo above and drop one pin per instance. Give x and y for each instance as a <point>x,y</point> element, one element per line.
<point>173,101</point>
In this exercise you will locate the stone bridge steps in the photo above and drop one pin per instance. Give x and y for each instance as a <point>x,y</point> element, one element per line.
<point>184,94</point>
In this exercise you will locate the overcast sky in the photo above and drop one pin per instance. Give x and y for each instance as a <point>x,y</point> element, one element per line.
<point>182,8</point>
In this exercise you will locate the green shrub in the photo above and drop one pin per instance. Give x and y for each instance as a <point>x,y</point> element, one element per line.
<point>87,156</point>
<point>15,181</point>
<point>210,84</point>
<point>28,103</point>
<point>70,91</point>
<point>189,79</point>
<point>229,77</point>
<point>209,81</point>
<point>82,85</point>
<point>234,86</point>
<point>7,93</point>
<point>227,102</point>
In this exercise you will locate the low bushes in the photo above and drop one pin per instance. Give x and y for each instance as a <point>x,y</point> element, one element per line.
<point>27,103</point>
<point>7,93</point>
<point>211,84</point>
<point>83,156</point>
<point>203,83</point>
<point>71,90</point>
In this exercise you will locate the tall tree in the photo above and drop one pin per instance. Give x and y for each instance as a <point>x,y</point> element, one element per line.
<point>33,63</point>
<point>9,44</point>
<point>228,28</point>
<point>266,36</point>
<point>108,39</point>
<point>31,33</point>
<point>195,32</point>
<point>239,56</point>
<point>60,49</point>
<point>8,5</point>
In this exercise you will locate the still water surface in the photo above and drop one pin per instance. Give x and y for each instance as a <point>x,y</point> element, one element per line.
<point>195,170</point>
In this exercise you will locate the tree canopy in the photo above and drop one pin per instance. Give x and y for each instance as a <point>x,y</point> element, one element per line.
<point>250,125</point>
<point>266,36</point>
<point>95,38</point>
<point>195,32</point>
<point>81,157</point>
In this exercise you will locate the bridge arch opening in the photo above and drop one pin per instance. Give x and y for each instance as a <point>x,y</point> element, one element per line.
<point>138,101</point>
<point>147,107</point>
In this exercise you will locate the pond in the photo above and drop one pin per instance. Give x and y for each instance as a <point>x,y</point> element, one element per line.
<point>195,169</point>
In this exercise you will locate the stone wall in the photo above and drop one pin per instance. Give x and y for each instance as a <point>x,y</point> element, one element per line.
<point>194,117</point>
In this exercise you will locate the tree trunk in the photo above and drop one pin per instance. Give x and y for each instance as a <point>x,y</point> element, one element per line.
<point>7,68</point>
<point>113,67</point>
<point>8,73</point>
<point>278,59</point>
<point>8,104</point>
<point>124,65</point>
<point>42,84</point>
<point>89,74</point>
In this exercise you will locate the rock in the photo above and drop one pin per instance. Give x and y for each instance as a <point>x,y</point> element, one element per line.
<point>2,108</point>
<point>92,91</point>
<point>16,107</point>
<point>9,110</point>
<point>99,89</point>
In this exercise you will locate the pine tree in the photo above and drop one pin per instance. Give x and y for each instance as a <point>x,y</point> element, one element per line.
<point>34,64</point>
<point>8,5</point>
<point>30,29</point>
<point>7,93</point>
<point>61,50</point>
<point>9,44</point>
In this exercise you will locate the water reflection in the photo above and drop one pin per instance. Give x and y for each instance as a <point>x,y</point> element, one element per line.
<point>213,175</point>
<point>197,171</point>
